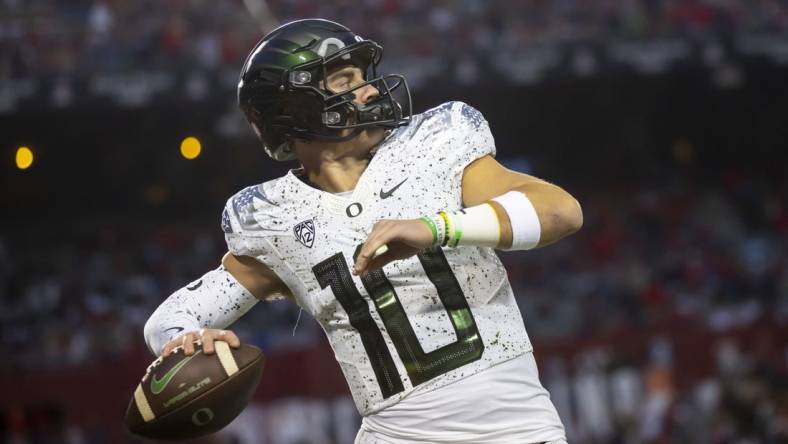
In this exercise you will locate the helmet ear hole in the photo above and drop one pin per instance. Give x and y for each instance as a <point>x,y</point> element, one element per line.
<point>305,111</point>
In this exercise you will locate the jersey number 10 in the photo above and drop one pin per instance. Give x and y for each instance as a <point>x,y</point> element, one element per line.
<point>420,365</point>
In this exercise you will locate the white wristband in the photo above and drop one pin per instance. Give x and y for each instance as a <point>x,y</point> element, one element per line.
<point>526,229</point>
<point>477,225</point>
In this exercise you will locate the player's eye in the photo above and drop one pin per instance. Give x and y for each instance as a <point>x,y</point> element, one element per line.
<point>345,80</point>
<point>341,84</point>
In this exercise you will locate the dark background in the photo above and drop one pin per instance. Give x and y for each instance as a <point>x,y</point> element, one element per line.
<point>663,320</point>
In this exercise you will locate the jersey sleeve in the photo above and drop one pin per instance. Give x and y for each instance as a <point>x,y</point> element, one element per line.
<point>238,225</point>
<point>473,132</point>
<point>463,137</point>
<point>245,232</point>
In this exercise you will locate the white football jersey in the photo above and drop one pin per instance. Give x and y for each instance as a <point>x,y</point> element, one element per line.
<point>426,321</point>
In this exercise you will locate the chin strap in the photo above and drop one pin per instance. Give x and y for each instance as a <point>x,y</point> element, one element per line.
<point>378,111</point>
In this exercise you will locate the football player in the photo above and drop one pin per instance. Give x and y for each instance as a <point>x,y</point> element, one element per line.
<point>386,235</point>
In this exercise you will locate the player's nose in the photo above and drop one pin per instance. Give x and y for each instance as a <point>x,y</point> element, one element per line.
<point>366,93</point>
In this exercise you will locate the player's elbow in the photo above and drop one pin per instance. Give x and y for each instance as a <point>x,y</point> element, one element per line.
<point>574,215</point>
<point>567,215</point>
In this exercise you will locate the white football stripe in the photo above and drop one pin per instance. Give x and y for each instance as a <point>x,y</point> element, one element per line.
<point>226,357</point>
<point>142,404</point>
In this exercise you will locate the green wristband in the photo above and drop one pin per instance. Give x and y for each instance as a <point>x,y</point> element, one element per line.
<point>432,226</point>
<point>457,235</point>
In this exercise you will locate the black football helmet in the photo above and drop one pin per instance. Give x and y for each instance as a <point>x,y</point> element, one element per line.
<point>282,93</point>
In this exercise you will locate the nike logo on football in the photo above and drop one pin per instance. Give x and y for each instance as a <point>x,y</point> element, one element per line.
<point>158,385</point>
<point>177,329</point>
<point>387,194</point>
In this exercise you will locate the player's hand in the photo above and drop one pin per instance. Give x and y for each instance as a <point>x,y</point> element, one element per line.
<point>404,238</point>
<point>207,336</point>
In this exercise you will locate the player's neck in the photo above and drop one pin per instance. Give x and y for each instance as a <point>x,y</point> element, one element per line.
<point>337,167</point>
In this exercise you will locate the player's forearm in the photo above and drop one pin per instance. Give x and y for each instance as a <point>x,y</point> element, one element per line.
<point>214,301</point>
<point>559,213</point>
<point>530,215</point>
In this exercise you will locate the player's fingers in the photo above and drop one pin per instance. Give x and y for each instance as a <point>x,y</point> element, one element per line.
<point>379,229</point>
<point>362,261</point>
<point>378,263</point>
<point>368,250</point>
<point>364,252</point>
<point>365,265</point>
<point>168,348</point>
<point>173,344</point>
<point>375,245</point>
<point>381,257</point>
<point>393,252</point>
<point>188,344</point>
<point>207,343</point>
<point>230,337</point>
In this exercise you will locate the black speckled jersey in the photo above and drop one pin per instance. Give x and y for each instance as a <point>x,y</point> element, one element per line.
<point>424,322</point>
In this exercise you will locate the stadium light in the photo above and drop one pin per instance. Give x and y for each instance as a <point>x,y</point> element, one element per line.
<point>24,157</point>
<point>190,148</point>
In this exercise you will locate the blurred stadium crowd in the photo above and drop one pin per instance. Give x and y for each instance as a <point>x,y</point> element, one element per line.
<point>61,53</point>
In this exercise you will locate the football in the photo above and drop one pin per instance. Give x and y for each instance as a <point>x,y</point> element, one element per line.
<point>182,397</point>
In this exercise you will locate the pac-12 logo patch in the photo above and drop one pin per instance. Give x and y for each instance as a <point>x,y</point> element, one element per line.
<point>305,232</point>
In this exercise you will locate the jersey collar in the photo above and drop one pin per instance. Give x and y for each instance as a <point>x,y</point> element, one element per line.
<point>363,192</point>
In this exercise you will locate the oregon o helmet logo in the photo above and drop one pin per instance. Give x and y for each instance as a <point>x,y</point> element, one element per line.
<point>326,44</point>
<point>202,416</point>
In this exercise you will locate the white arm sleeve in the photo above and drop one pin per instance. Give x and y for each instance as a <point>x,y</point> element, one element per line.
<point>216,300</point>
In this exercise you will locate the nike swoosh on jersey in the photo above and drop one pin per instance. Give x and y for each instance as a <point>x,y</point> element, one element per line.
<point>196,286</point>
<point>158,385</point>
<point>387,194</point>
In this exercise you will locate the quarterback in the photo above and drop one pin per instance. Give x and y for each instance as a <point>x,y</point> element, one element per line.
<point>386,235</point>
